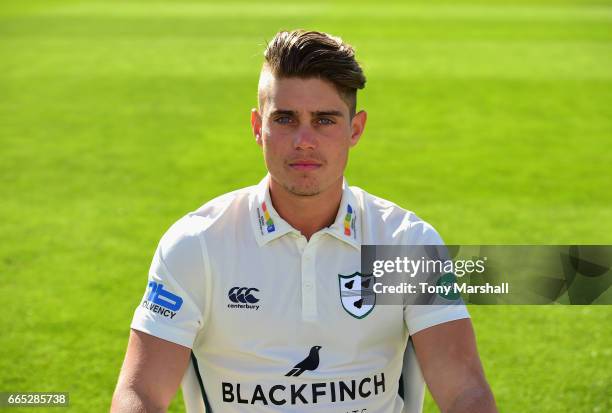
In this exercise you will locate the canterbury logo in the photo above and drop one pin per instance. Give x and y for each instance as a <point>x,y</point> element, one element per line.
<point>242,295</point>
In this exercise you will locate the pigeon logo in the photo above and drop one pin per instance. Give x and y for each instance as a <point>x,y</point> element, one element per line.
<point>310,363</point>
<point>242,295</point>
<point>357,294</point>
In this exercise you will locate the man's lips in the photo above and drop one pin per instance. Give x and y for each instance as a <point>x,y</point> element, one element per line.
<point>305,165</point>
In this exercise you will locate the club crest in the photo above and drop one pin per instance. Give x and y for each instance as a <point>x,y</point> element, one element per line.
<point>357,294</point>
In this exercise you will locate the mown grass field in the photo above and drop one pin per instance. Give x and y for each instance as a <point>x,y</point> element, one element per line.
<point>491,120</point>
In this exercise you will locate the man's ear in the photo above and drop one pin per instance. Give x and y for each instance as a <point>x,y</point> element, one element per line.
<point>256,126</point>
<point>357,126</point>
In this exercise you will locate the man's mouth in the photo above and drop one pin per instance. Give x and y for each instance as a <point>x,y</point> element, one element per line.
<point>305,165</point>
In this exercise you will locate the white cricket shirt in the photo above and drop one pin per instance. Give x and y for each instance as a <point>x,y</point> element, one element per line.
<point>262,309</point>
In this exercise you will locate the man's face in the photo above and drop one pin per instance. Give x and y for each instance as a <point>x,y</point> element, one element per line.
<point>305,130</point>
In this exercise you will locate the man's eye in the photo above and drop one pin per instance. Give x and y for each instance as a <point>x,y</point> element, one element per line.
<point>283,120</point>
<point>325,121</point>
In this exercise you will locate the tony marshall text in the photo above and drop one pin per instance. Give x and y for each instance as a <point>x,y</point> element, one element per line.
<point>425,288</point>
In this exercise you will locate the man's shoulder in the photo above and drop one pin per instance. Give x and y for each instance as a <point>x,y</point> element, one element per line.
<point>193,225</point>
<point>226,204</point>
<point>386,223</point>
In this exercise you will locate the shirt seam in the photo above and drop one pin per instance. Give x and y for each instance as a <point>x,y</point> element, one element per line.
<point>207,282</point>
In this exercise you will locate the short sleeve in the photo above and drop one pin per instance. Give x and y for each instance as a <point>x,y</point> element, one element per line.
<point>420,317</point>
<point>172,306</point>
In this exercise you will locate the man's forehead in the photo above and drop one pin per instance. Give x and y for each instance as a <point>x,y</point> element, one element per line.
<point>299,94</point>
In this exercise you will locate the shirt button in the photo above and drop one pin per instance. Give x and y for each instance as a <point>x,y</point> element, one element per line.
<point>307,285</point>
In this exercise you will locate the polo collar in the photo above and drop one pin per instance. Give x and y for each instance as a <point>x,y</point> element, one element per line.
<point>268,225</point>
<point>266,222</point>
<point>347,226</point>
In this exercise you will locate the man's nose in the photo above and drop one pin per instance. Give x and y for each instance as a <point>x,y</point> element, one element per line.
<point>305,138</point>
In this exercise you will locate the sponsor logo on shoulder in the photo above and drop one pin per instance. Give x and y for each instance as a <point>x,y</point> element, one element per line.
<point>162,301</point>
<point>243,297</point>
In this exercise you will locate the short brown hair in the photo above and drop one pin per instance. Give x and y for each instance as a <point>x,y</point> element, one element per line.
<point>301,53</point>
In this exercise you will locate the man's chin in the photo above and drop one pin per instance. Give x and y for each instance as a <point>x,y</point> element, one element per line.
<point>307,187</point>
<point>304,190</point>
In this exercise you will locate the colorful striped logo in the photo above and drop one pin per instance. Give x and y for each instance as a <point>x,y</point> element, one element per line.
<point>347,220</point>
<point>268,219</point>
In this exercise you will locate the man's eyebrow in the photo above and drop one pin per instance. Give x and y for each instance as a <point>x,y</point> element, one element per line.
<point>283,112</point>
<point>328,113</point>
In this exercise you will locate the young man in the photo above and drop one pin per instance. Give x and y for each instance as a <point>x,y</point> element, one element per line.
<point>244,303</point>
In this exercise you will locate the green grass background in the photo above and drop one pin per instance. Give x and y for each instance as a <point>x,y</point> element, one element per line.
<point>489,119</point>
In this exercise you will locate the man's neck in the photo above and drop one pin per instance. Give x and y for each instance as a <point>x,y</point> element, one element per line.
<point>307,214</point>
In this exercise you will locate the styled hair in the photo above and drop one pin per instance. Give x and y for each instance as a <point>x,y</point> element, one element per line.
<point>305,54</point>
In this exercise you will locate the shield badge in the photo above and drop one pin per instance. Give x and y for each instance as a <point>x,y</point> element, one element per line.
<point>357,294</point>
